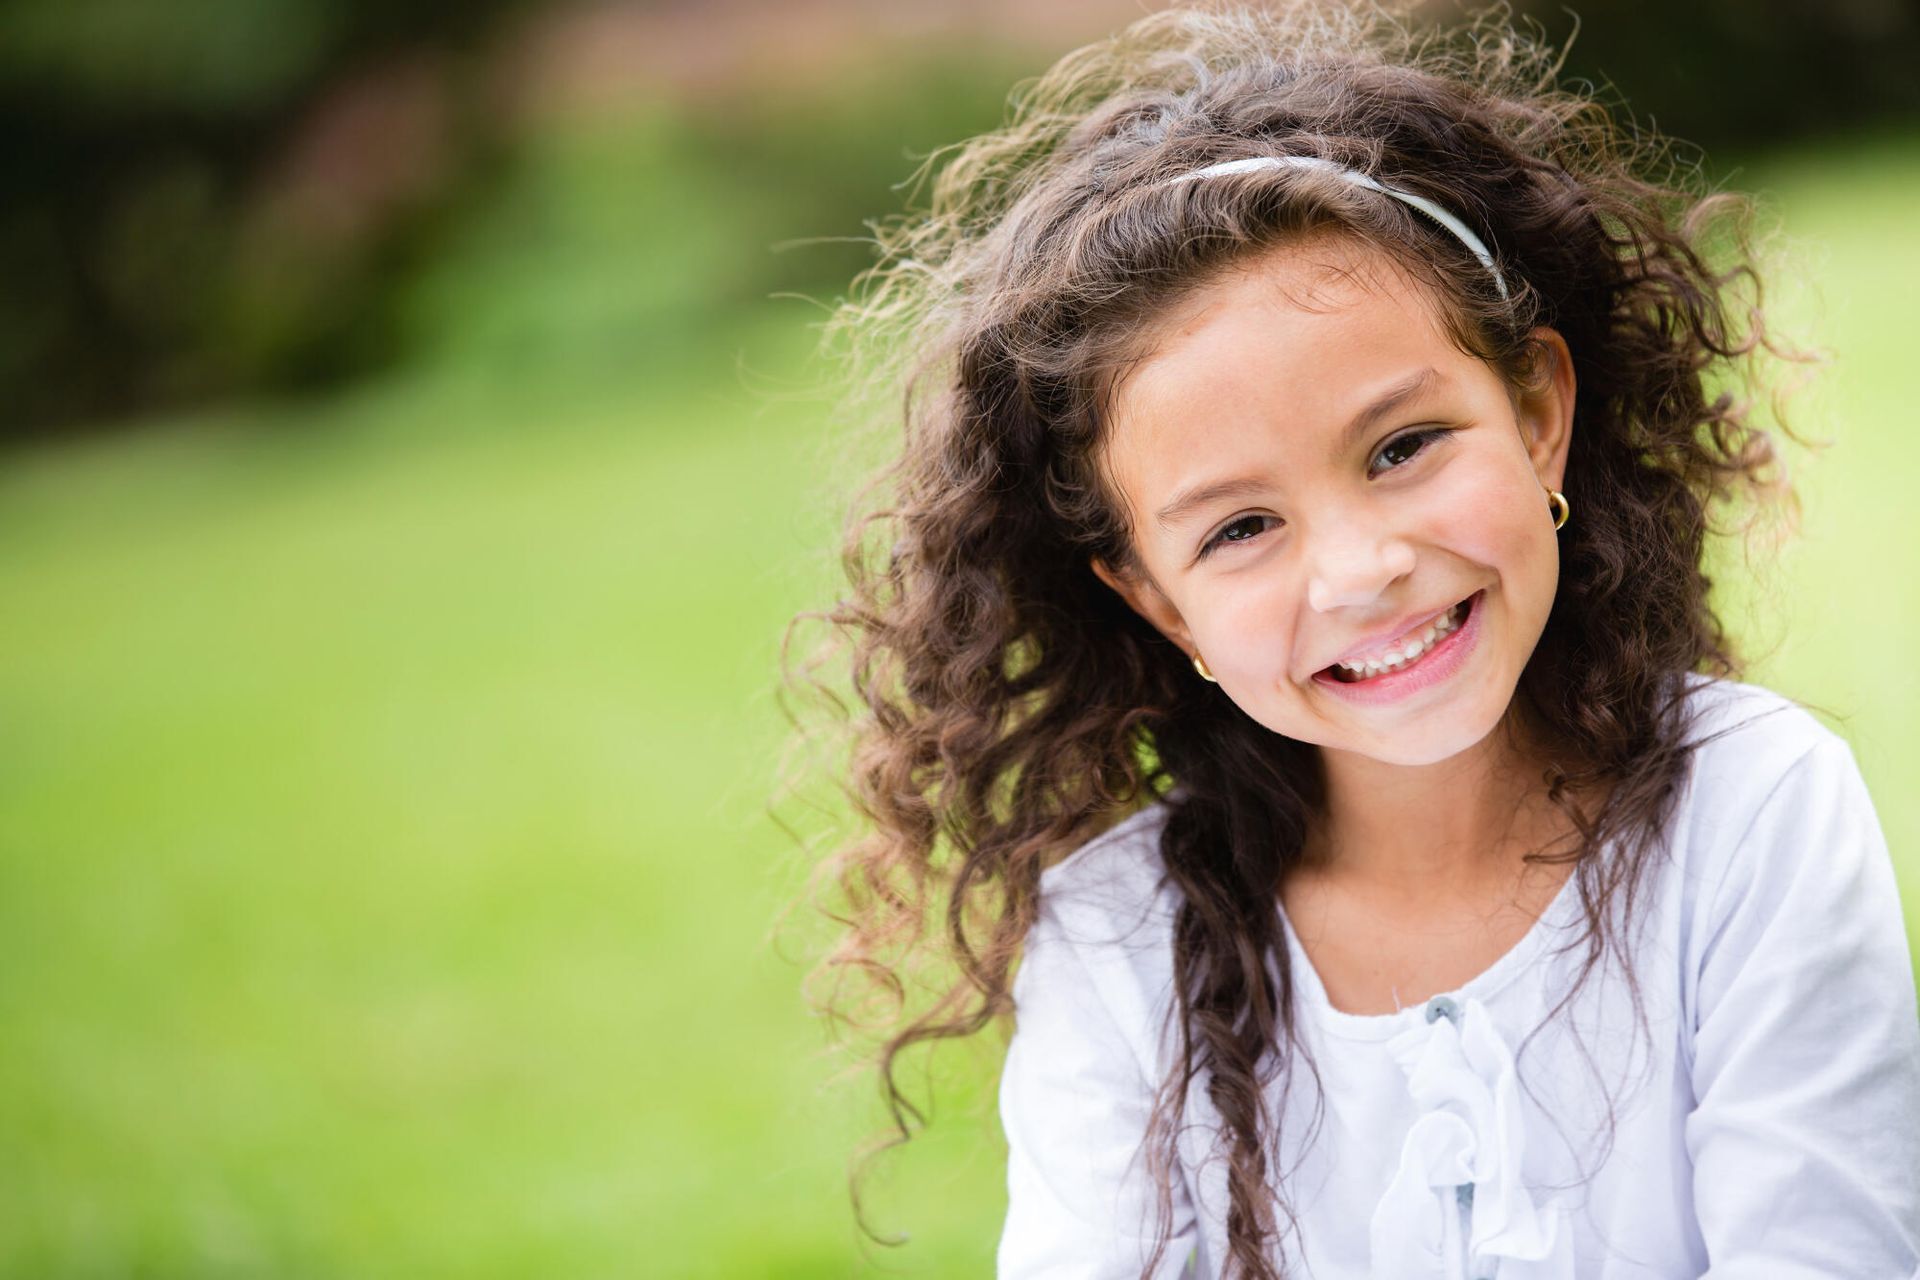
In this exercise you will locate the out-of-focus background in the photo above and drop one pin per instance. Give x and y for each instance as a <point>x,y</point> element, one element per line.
<point>410,454</point>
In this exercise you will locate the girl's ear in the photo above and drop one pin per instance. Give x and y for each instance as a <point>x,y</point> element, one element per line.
<point>1146,599</point>
<point>1546,409</point>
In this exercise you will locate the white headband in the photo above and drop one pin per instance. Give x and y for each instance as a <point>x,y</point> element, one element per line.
<point>1459,229</point>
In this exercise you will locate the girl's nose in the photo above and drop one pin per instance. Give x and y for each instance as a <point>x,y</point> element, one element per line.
<point>1354,568</point>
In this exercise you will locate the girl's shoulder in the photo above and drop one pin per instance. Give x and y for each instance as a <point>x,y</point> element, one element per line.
<point>1100,951</point>
<point>1746,741</point>
<point>1754,715</point>
<point>1117,875</point>
<point>1774,810</point>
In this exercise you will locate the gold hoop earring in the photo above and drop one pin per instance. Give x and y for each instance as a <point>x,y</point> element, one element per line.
<point>1557,507</point>
<point>1200,665</point>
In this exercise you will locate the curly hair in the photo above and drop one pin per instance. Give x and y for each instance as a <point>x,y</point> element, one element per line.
<point>1007,706</point>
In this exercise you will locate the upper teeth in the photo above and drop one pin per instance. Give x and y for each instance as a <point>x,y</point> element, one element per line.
<point>1407,649</point>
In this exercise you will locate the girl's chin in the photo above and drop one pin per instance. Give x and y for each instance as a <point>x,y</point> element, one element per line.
<point>1461,732</point>
<point>1458,727</point>
<point>1438,734</point>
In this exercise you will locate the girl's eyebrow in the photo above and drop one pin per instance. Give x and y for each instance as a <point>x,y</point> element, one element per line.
<point>1408,388</point>
<point>1188,501</point>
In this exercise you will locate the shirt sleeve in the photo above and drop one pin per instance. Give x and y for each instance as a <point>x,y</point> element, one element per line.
<point>1074,1103</point>
<point>1805,1137</point>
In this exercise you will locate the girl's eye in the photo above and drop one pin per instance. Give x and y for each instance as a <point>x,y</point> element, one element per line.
<point>1401,450</point>
<point>1243,529</point>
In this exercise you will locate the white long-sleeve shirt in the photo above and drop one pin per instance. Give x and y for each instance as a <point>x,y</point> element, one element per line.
<point>1768,1130</point>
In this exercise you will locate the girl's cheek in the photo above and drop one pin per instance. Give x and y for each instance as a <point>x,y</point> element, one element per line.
<point>1248,624</point>
<point>1486,514</point>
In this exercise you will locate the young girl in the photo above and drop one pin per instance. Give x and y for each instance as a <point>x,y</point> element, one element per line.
<point>1284,635</point>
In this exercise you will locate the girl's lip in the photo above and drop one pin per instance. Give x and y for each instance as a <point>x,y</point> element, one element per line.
<point>1433,666</point>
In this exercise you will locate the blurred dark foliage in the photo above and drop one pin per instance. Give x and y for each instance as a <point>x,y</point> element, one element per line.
<point>205,196</point>
<point>1746,74</point>
<point>217,197</point>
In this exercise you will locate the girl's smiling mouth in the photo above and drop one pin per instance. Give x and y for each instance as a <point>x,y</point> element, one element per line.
<point>1421,658</point>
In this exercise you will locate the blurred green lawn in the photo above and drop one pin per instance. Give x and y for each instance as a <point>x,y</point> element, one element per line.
<point>384,880</point>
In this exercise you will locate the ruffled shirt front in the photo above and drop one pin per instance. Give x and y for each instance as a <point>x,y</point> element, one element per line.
<point>1755,1116</point>
<point>1458,1205</point>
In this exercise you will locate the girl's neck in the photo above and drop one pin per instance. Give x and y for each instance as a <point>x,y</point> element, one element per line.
<point>1408,832</point>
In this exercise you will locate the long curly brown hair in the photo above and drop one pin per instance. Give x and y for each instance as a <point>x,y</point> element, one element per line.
<point>1006,705</point>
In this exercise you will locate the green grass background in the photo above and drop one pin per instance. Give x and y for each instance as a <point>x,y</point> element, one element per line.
<point>385,887</point>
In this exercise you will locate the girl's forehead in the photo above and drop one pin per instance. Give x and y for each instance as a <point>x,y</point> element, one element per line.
<point>1309,327</point>
<point>1323,270</point>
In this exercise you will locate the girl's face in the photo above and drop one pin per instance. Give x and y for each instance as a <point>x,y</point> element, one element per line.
<point>1340,511</point>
